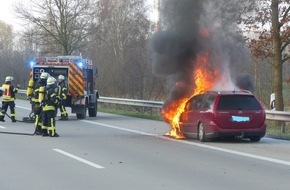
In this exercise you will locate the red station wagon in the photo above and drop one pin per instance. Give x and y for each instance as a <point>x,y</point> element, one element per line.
<point>223,114</point>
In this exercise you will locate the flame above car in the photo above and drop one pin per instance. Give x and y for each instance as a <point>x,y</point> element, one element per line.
<point>204,78</point>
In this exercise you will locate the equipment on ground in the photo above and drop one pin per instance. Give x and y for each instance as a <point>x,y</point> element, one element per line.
<point>17,133</point>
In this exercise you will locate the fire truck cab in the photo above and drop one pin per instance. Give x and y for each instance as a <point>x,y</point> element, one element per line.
<point>80,79</point>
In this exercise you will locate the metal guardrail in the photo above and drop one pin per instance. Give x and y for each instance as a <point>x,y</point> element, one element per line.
<point>278,115</point>
<point>270,114</point>
<point>20,91</point>
<point>131,102</point>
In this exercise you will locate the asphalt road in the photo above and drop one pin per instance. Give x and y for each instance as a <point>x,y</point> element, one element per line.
<point>117,152</point>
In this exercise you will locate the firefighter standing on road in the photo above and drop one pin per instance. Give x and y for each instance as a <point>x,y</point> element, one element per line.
<point>62,93</point>
<point>8,98</point>
<point>34,96</point>
<point>50,104</point>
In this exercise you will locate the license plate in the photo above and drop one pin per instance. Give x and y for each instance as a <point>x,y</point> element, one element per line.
<point>240,119</point>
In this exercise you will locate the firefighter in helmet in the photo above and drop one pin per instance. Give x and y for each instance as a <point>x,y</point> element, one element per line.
<point>34,96</point>
<point>50,104</point>
<point>8,98</point>
<point>62,93</point>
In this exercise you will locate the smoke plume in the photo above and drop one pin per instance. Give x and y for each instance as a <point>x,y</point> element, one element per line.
<point>191,27</point>
<point>177,44</point>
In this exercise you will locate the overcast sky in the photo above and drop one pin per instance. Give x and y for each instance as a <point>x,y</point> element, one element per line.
<point>8,16</point>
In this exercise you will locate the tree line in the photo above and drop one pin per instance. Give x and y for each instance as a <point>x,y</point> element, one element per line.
<point>117,35</point>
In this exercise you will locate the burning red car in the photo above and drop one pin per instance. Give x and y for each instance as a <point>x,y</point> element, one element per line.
<point>223,114</point>
<point>197,54</point>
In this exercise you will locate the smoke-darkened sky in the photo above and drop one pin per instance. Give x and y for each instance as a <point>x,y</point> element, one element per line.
<point>190,28</point>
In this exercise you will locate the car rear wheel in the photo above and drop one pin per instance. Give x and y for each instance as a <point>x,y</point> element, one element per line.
<point>255,138</point>
<point>201,133</point>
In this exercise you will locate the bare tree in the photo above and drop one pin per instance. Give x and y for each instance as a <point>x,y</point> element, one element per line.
<point>121,50</point>
<point>6,45</point>
<point>63,25</point>
<point>277,59</point>
<point>12,60</point>
<point>271,23</point>
<point>6,38</point>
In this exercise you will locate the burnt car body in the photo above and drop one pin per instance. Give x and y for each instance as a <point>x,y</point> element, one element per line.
<point>223,114</point>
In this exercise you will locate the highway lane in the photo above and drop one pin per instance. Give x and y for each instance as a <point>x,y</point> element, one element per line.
<point>118,152</point>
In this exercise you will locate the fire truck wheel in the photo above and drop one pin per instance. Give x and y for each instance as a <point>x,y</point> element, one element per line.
<point>93,110</point>
<point>82,115</point>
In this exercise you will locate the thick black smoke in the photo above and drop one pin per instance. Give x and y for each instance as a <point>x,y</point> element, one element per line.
<point>245,82</point>
<point>191,27</point>
<point>175,47</point>
<point>177,44</point>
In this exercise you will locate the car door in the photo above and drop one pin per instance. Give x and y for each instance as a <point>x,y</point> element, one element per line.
<point>189,118</point>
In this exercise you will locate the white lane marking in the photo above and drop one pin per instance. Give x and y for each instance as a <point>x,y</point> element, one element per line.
<point>186,142</point>
<point>78,159</point>
<point>118,128</point>
<point>269,159</point>
<point>249,155</point>
<point>23,107</point>
<point>1,127</point>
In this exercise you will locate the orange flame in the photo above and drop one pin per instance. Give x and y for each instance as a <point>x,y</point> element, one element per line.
<point>203,78</point>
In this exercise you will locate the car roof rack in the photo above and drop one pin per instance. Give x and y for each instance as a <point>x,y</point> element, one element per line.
<point>247,91</point>
<point>226,91</point>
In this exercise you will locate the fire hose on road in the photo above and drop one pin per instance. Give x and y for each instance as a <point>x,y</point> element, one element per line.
<point>29,119</point>
<point>17,133</point>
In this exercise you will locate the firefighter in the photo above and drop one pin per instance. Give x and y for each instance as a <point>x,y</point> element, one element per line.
<point>62,93</point>
<point>37,109</point>
<point>50,104</point>
<point>8,98</point>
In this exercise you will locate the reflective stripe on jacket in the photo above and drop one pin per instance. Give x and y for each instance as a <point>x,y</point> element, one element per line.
<point>36,87</point>
<point>62,93</point>
<point>51,99</point>
<point>9,92</point>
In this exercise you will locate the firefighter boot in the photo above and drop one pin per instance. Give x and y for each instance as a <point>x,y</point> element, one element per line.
<point>13,119</point>
<point>52,133</point>
<point>44,132</point>
<point>63,117</point>
<point>38,130</point>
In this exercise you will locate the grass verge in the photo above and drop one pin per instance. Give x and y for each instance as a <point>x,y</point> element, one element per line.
<point>274,131</point>
<point>145,115</point>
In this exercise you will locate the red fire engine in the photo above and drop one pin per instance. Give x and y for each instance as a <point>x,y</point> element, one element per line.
<point>80,75</point>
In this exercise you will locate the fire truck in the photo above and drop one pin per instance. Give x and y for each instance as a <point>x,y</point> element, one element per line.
<point>80,76</point>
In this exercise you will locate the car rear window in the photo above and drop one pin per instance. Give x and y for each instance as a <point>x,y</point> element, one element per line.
<point>238,102</point>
